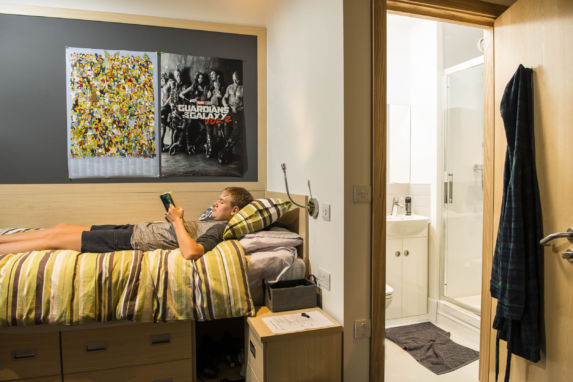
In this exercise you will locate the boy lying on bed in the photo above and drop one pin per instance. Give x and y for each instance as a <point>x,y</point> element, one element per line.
<point>142,236</point>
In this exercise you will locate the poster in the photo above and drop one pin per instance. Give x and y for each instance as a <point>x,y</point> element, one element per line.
<point>202,116</point>
<point>112,113</point>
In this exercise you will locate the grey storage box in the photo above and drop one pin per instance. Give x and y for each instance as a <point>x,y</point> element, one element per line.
<point>290,295</point>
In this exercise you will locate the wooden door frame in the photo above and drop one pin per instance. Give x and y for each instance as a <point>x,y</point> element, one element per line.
<point>467,12</point>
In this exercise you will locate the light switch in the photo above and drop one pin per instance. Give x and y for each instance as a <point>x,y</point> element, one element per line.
<point>362,328</point>
<point>361,194</point>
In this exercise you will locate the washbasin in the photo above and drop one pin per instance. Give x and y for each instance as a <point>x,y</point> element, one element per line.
<point>402,225</point>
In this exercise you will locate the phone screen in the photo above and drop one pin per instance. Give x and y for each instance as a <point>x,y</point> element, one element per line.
<point>167,200</point>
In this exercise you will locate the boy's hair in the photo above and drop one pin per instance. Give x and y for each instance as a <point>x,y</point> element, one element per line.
<point>239,196</point>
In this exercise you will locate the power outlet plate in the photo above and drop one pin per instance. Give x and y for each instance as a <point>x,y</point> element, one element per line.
<point>362,328</point>
<point>325,211</point>
<point>323,279</point>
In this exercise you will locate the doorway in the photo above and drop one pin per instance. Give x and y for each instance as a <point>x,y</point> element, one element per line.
<point>435,121</point>
<point>462,13</point>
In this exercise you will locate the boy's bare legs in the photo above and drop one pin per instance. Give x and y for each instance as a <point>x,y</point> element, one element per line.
<point>62,236</point>
<point>33,235</point>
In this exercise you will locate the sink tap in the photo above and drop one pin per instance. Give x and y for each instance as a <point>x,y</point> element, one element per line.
<point>395,205</point>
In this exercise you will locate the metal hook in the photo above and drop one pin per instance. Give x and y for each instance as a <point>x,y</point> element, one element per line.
<point>312,206</point>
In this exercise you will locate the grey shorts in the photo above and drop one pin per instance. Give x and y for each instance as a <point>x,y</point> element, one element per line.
<point>107,238</point>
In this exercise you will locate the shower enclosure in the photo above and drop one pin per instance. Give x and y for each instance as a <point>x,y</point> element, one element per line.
<point>462,212</point>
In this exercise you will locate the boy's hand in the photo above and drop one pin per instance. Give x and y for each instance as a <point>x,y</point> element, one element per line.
<point>174,214</point>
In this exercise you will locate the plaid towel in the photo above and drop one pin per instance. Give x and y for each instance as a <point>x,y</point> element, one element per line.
<point>516,276</point>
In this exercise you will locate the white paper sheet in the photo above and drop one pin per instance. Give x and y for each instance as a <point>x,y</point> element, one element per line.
<point>296,322</point>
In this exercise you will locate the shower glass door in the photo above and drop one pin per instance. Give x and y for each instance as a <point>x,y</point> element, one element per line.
<point>463,184</point>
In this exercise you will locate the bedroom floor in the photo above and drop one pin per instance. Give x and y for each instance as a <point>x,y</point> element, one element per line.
<point>219,350</point>
<point>402,367</point>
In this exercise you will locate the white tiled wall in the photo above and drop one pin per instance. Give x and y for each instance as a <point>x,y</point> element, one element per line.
<point>420,194</point>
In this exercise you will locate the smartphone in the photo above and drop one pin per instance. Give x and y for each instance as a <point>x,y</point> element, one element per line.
<point>167,199</point>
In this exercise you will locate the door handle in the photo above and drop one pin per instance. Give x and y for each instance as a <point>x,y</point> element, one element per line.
<point>450,187</point>
<point>568,255</point>
<point>557,235</point>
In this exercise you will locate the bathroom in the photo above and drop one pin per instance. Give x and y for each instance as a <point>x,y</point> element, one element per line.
<point>435,117</point>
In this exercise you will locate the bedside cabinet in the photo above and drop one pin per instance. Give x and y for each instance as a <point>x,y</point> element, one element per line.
<point>300,354</point>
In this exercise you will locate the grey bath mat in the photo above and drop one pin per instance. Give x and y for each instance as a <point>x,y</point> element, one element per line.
<point>432,347</point>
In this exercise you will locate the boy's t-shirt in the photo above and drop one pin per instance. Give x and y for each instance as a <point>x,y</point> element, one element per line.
<point>161,235</point>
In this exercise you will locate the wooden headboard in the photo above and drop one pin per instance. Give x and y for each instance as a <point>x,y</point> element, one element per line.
<point>296,220</point>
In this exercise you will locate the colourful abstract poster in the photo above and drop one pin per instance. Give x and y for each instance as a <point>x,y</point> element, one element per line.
<point>112,113</point>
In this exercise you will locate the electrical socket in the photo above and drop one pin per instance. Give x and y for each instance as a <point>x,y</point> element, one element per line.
<point>323,279</point>
<point>325,211</point>
<point>362,328</point>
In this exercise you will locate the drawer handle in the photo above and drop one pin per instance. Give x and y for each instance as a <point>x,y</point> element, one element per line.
<point>397,253</point>
<point>163,380</point>
<point>96,346</point>
<point>252,348</point>
<point>159,339</point>
<point>24,354</point>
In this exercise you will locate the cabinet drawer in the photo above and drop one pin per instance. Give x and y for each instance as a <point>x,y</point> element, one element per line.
<point>130,345</point>
<point>256,357</point>
<point>29,355</point>
<point>178,371</point>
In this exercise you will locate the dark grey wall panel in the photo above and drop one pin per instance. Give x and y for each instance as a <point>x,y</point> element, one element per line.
<point>33,89</point>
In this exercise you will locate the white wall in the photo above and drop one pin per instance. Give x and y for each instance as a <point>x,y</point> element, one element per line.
<point>244,12</point>
<point>305,122</point>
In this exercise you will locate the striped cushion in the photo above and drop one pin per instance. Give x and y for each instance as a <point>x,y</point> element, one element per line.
<point>255,216</point>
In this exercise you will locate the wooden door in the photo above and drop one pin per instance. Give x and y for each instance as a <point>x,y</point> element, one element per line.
<point>539,35</point>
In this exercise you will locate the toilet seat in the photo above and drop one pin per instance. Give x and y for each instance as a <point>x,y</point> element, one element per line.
<point>389,291</point>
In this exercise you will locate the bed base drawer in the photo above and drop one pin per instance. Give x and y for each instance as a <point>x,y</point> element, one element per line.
<point>29,355</point>
<point>124,346</point>
<point>178,371</point>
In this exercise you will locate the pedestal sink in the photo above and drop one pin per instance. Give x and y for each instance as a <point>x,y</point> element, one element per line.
<point>402,225</point>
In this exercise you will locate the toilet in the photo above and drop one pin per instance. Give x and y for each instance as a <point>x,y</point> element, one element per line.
<point>389,291</point>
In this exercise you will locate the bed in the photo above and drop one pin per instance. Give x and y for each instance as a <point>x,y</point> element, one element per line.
<point>98,305</point>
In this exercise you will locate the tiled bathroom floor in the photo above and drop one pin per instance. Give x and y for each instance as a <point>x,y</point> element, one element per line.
<point>401,367</point>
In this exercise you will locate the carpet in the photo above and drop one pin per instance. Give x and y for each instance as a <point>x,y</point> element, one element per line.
<point>432,347</point>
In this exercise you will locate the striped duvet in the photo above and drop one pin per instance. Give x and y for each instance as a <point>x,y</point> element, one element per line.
<point>69,288</point>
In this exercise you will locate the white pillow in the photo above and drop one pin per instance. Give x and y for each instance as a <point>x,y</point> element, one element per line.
<point>273,238</point>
